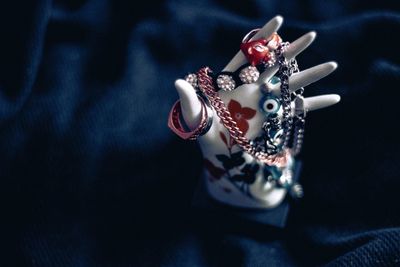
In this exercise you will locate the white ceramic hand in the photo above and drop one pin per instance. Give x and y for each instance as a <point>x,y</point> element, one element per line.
<point>216,145</point>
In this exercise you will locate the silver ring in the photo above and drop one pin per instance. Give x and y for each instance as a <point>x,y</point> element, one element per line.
<point>249,35</point>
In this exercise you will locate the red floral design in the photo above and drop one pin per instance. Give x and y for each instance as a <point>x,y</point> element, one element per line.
<point>241,115</point>
<point>223,138</point>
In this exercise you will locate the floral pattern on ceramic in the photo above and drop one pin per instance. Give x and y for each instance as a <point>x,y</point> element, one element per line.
<point>235,175</point>
<point>232,176</point>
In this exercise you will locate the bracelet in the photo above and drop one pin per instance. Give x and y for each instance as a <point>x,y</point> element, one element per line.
<point>175,124</point>
<point>261,54</point>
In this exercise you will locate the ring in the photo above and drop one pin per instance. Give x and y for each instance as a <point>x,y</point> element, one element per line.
<point>176,125</point>
<point>249,35</point>
<point>260,51</point>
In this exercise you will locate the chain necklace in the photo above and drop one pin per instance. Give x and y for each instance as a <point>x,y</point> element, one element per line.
<point>286,69</point>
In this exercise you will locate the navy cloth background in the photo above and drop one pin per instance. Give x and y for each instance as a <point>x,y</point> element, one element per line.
<point>90,175</point>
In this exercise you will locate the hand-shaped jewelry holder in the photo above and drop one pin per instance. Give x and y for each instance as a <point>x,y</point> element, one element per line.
<point>249,119</point>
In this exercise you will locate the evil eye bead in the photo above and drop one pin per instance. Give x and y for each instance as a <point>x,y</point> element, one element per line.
<point>269,104</point>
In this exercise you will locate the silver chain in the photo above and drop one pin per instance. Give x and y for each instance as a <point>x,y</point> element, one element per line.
<point>286,69</point>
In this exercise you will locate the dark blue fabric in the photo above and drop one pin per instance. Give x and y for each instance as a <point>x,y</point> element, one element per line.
<point>91,176</point>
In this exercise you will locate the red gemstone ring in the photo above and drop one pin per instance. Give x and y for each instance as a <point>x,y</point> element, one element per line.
<point>260,51</point>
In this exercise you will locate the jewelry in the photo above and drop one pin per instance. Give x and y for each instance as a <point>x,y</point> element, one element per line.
<point>277,130</point>
<point>192,79</point>
<point>299,124</point>
<point>286,69</point>
<point>260,55</point>
<point>260,51</point>
<point>277,133</point>
<point>249,74</point>
<point>206,86</point>
<point>226,82</point>
<point>282,135</point>
<point>175,124</point>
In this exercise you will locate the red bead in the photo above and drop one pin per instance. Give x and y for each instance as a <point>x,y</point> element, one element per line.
<point>256,51</point>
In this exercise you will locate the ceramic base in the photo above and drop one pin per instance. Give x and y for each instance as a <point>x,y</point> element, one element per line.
<point>276,217</point>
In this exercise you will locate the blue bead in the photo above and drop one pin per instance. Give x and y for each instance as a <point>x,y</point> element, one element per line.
<point>269,104</point>
<point>274,80</point>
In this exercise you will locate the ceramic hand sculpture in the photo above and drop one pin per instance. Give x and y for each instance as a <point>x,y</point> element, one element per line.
<point>249,118</point>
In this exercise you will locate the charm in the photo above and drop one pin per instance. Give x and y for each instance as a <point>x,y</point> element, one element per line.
<point>249,74</point>
<point>269,105</point>
<point>256,51</point>
<point>226,82</point>
<point>260,51</point>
